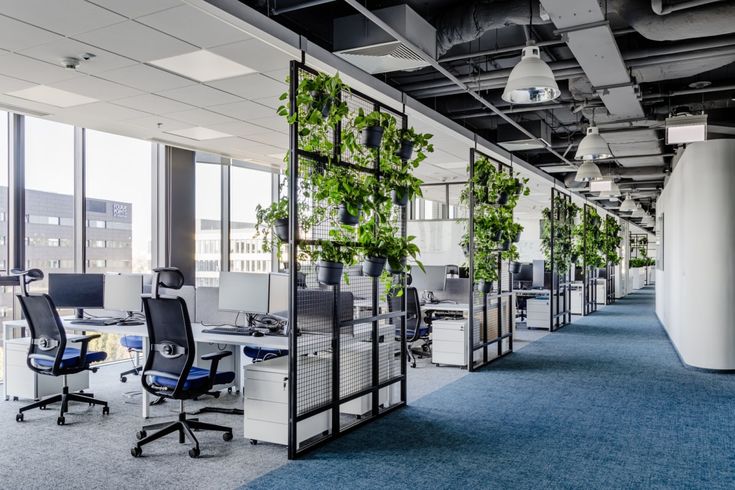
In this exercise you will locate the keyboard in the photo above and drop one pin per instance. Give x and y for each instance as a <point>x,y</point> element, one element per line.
<point>229,330</point>
<point>99,322</point>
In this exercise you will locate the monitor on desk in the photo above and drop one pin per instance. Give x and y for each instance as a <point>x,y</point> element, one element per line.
<point>253,292</point>
<point>77,291</point>
<point>123,292</point>
<point>434,279</point>
<point>526,273</point>
<point>538,274</point>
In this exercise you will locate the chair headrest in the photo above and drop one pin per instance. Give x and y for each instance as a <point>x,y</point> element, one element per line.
<point>33,274</point>
<point>169,277</point>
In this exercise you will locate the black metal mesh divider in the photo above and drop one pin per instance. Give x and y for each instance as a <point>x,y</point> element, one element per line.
<point>491,315</point>
<point>610,271</point>
<point>560,227</point>
<point>590,277</point>
<point>347,349</point>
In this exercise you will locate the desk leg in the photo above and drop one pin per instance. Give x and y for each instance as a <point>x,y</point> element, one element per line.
<point>145,397</point>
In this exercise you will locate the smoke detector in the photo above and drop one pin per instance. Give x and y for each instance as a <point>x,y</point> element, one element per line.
<point>70,63</point>
<point>367,46</point>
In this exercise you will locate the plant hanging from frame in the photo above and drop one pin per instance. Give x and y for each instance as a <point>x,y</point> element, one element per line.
<point>565,214</point>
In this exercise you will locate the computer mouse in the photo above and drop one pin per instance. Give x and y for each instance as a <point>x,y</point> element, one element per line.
<point>257,334</point>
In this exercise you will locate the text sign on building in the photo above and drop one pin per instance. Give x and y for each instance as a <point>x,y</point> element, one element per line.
<point>119,210</point>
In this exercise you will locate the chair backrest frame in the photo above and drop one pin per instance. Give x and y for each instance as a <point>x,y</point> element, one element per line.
<point>48,336</point>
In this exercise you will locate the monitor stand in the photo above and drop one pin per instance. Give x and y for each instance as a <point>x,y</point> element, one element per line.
<point>130,319</point>
<point>78,313</point>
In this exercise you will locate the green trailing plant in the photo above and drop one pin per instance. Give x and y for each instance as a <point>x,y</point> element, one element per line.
<point>565,215</point>
<point>397,173</point>
<point>641,262</point>
<point>399,250</point>
<point>265,222</point>
<point>611,241</point>
<point>588,240</point>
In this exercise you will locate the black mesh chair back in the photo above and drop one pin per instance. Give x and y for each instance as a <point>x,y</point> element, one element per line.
<point>48,338</point>
<point>413,312</point>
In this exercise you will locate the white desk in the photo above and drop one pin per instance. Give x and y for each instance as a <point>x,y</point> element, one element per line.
<point>453,307</point>
<point>270,341</point>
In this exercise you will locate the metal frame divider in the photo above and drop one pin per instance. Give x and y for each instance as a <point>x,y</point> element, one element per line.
<point>559,315</point>
<point>590,282</point>
<point>486,297</point>
<point>609,278</point>
<point>300,380</point>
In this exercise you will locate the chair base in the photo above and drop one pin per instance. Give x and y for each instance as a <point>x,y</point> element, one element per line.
<point>64,398</point>
<point>184,427</point>
<point>130,372</point>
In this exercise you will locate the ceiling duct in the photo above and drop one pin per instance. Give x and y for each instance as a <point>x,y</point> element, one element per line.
<point>512,139</point>
<point>367,46</point>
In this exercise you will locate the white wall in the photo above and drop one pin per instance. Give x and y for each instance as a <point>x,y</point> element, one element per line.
<point>695,293</point>
<point>438,241</point>
<point>529,248</point>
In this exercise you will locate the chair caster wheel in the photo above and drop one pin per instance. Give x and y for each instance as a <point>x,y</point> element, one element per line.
<point>19,417</point>
<point>194,452</point>
<point>123,379</point>
<point>227,436</point>
<point>140,434</point>
<point>105,410</point>
<point>60,421</point>
<point>136,452</point>
<point>15,398</point>
<point>42,407</point>
<point>229,390</point>
<point>216,394</point>
<point>253,442</point>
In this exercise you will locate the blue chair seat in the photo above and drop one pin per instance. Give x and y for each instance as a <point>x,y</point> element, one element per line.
<point>71,358</point>
<point>260,353</point>
<point>197,378</point>
<point>423,332</point>
<point>133,342</point>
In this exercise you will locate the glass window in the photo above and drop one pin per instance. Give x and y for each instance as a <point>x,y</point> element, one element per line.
<point>118,204</point>
<point>6,293</point>
<point>208,222</point>
<point>49,176</point>
<point>248,188</point>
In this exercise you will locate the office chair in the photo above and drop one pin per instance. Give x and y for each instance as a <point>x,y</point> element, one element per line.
<point>417,328</point>
<point>49,355</point>
<point>451,270</point>
<point>169,370</point>
<point>134,344</point>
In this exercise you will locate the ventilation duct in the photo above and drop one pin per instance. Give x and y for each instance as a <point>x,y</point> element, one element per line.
<point>512,139</point>
<point>365,45</point>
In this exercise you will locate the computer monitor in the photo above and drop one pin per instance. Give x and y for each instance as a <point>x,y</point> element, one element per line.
<point>253,292</point>
<point>123,292</point>
<point>434,279</point>
<point>77,291</point>
<point>538,274</point>
<point>526,273</point>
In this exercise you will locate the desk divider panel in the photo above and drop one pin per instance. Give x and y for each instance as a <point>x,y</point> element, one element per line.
<point>347,348</point>
<point>491,315</point>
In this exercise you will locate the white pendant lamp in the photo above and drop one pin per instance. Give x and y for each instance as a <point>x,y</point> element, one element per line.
<point>628,204</point>
<point>593,146</point>
<point>587,172</point>
<point>531,81</point>
<point>638,212</point>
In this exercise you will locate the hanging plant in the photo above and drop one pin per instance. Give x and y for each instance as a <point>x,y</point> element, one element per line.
<point>588,240</point>
<point>611,241</point>
<point>565,215</point>
<point>374,241</point>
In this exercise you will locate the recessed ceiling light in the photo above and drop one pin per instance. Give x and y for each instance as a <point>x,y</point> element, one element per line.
<point>199,133</point>
<point>700,84</point>
<point>202,66</point>
<point>52,96</point>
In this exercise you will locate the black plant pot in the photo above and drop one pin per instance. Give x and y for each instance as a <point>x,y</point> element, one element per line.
<point>372,136</point>
<point>281,228</point>
<point>484,286</point>
<point>505,245</point>
<point>373,266</point>
<point>346,218</point>
<point>321,102</point>
<point>497,236</point>
<point>401,263</point>
<point>517,238</point>
<point>515,267</point>
<point>405,151</point>
<point>329,273</point>
<point>400,196</point>
<point>503,198</point>
<point>466,250</point>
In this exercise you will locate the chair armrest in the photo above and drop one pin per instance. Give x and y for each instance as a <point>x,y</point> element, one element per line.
<point>216,355</point>
<point>85,338</point>
<point>160,374</point>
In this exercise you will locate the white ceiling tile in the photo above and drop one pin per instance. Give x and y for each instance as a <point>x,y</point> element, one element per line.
<point>200,133</point>
<point>253,86</point>
<point>53,52</point>
<point>245,110</point>
<point>209,31</point>
<point>270,138</point>
<point>273,102</point>
<point>146,78</point>
<point>202,65</point>
<point>238,128</point>
<point>24,106</point>
<point>158,123</point>
<point>98,88</point>
<point>135,41</point>
<point>18,66</point>
<point>136,8</point>
<point>153,104</point>
<point>52,96</point>
<point>104,111</point>
<point>256,54</point>
<point>66,17</point>
<point>276,123</point>
<point>200,117</point>
<point>200,95</point>
<point>9,84</point>
<point>16,35</point>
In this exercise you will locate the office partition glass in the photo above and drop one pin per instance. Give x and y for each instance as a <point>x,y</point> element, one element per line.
<point>248,188</point>
<point>208,212</point>
<point>49,196</point>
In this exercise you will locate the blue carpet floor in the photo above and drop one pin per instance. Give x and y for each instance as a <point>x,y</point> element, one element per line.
<point>602,403</point>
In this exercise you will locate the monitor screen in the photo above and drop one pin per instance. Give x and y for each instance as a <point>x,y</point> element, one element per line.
<point>77,290</point>
<point>278,293</point>
<point>526,274</point>
<point>244,291</point>
<point>538,274</point>
<point>123,291</point>
<point>434,279</point>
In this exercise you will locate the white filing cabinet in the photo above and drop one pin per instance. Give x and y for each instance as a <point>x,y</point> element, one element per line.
<point>266,399</point>
<point>448,342</point>
<point>23,383</point>
<point>356,374</point>
<point>537,312</point>
<point>601,292</point>
<point>576,301</point>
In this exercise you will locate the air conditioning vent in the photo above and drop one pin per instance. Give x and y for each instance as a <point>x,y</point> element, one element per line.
<point>367,46</point>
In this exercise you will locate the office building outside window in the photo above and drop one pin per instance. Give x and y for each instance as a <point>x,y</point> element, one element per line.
<point>248,188</point>
<point>208,223</point>
<point>6,293</point>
